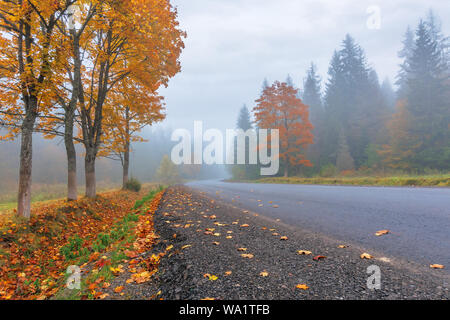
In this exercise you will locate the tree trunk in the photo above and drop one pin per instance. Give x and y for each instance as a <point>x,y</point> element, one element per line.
<point>126,155</point>
<point>26,162</point>
<point>286,171</point>
<point>89,164</point>
<point>72,192</point>
<point>126,165</point>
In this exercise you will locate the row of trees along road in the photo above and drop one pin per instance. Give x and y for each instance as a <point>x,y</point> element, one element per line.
<point>87,71</point>
<point>360,124</point>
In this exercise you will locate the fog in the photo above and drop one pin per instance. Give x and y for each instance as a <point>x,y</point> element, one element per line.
<point>232,46</point>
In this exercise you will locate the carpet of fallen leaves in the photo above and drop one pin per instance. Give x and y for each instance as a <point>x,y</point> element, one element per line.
<point>138,267</point>
<point>31,265</point>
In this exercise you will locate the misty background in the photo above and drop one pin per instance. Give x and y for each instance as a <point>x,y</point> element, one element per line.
<point>232,46</point>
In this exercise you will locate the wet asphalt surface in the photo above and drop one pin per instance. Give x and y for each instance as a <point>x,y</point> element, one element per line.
<point>418,218</point>
<point>205,261</point>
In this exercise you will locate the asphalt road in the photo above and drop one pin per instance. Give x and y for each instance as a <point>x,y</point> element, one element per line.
<point>418,218</point>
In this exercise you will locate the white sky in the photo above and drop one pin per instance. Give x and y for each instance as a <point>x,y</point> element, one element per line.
<point>233,45</point>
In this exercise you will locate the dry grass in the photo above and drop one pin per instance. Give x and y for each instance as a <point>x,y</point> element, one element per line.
<point>419,181</point>
<point>45,193</point>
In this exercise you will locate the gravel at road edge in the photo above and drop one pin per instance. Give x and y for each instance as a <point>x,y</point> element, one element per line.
<point>185,215</point>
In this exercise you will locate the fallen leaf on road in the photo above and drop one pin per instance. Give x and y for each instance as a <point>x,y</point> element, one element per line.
<point>381,232</point>
<point>366,256</point>
<point>242,249</point>
<point>210,277</point>
<point>275,206</point>
<point>247,255</point>
<point>437,266</point>
<point>216,243</point>
<point>304,252</point>
<point>208,299</point>
<point>229,237</point>
<point>284,238</point>
<point>264,274</point>
<point>342,246</point>
<point>245,225</point>
<point>186,246</point>
<point>118,289</point>
<point>228,273</point>
<point>302,286</point>
<point>103,296</point>
<point>317,258</point>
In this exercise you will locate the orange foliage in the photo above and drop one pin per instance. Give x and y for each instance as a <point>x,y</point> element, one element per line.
<point>280,108</point>
<point>30,260</point>
<point>402,144</point>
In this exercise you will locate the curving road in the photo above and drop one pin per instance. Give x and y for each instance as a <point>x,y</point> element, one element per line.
<point>418,218</point>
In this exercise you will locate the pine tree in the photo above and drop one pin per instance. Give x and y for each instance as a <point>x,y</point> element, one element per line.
<point>312,92</point>
<point>405,54</point>
<point>427,100</point>
<point>244,120</point>
<point>344,161</point>
<point>312,97</point>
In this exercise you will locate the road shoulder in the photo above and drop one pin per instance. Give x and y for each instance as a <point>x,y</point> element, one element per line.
<point>205,261</point>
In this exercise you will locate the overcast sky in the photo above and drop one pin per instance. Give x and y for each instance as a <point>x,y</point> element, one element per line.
<point>233,45</point>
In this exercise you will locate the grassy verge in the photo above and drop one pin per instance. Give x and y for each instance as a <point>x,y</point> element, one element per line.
<point>117,247</point>
<point>419,181</point>
<point>35,254</point>
<point>43,194</point>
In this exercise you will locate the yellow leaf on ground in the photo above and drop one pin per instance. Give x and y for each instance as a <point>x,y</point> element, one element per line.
<point>264,274</point>
<point>342,246</point>
<point>284,238</point>
<point>302,286</point>
<point>247,255</point>
<point>186,246</point>
<point>245,225</point>
<point>228,273</point>
<point>381,232</point>
<point>437,266</point>
<point>366,256</point>
<point>304,252</point>
<point>118,289</point>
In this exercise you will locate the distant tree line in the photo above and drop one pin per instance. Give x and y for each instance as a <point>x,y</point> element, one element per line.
<point>362,124</point>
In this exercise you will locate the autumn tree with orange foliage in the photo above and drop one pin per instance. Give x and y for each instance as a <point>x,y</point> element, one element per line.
<point>135,40</point>
<point>402,144</point>
<point>60,61</point>
<point>30,65</point>
<point>132,107</point>
<point>280,108</point>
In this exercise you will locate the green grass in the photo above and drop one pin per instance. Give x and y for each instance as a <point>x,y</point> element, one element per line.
<point>111,244</point>
<point>420,181</point>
